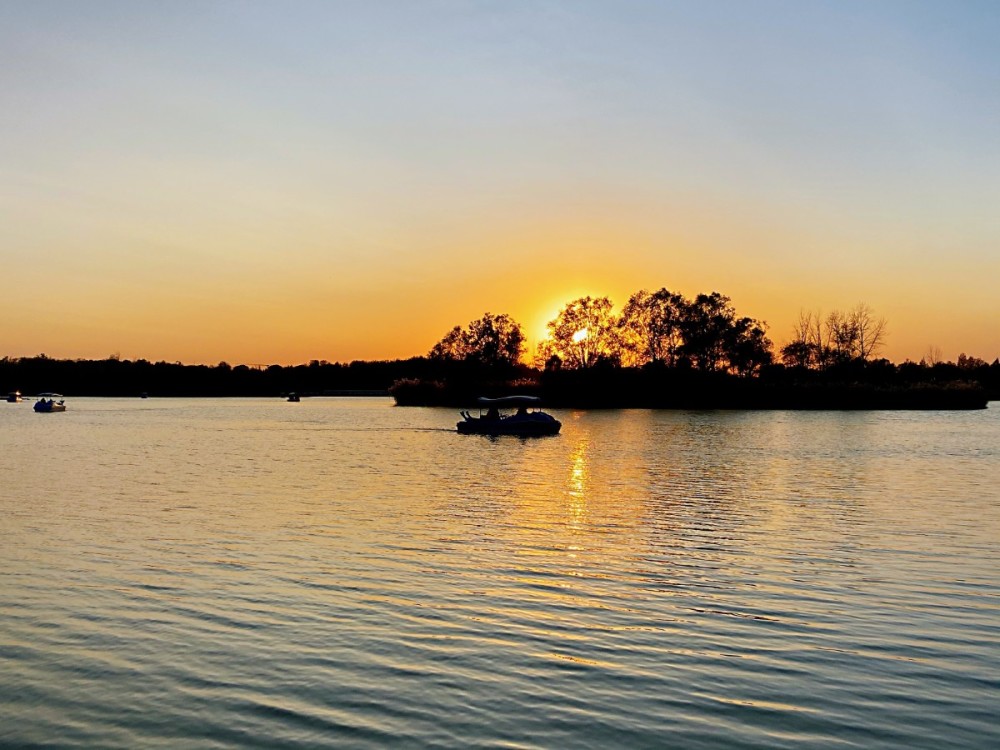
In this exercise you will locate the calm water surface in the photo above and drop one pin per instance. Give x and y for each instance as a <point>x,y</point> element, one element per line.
<point>340,572</point>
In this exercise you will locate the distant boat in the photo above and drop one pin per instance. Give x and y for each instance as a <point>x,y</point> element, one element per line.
<point>294,397</point>
<point>14,397</point>
<point>143,395</point>
<point>47,403</point>
<point>522,423</point>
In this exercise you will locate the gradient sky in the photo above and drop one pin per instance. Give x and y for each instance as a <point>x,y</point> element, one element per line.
<point>278,182</point>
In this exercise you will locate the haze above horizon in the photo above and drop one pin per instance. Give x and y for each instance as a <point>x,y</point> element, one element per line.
<point>335,180</point>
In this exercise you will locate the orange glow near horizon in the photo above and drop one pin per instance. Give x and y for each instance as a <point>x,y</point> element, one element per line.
<point>264,325</point>
<point>213,293</point>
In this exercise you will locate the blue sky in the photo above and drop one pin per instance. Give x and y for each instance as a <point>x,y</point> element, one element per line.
<point>281,182</point>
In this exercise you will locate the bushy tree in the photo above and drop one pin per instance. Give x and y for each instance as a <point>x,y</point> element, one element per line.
<point>704,326</point>
<point>491,341</point>
<point>583,334</point>
<point>715,338</point>
<point>495,341</point>
<point>966,362</point>
<point>747,346</point>
<point>452,346</point>
<point>649,327</point>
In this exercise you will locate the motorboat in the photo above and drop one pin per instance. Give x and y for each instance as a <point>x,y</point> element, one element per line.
<point>294,397</point>
<point>50,402</point>
<point>14,397</point>
<point>528,420</point>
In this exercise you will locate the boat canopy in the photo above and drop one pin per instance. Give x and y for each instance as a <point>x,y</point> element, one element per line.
<point>509,401</point>
<point>50,395</point>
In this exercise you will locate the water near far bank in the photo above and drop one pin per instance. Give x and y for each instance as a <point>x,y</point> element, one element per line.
<point>341,572</point>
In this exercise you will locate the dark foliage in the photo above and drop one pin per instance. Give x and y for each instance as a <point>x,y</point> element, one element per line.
<point>491,341</point>
<point>421,380</point>
<point>113,377</point>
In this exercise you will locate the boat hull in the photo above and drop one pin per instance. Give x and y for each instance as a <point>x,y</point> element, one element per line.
<point>48,408</point>
<point>527,428</point>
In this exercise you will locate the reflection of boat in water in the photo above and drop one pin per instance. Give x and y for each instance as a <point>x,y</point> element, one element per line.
<point>14,397</point>
<point>293,397</point>
<point>48,403</point>
<point>523,423</point>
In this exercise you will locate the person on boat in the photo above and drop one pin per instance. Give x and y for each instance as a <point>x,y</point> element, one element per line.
<point>522,411</point>
<point>493,413</point>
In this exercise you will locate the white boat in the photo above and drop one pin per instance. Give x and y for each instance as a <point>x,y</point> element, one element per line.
<point>523,423</point>
<point>50,402</point>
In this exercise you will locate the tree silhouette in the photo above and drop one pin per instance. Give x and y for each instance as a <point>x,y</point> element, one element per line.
<point>495,341</point>
<point>649,327</point>
<point>806,348</point>
<point>714,338</point>
<point>869,331</point>
<point>491,341</point>
<point>704,326</point>
<point>451,347</point>
<point>840,338</point>
<point>583,334</point>
<point>747,346</point>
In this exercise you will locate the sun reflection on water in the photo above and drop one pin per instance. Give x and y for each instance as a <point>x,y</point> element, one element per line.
<point>579,477</point>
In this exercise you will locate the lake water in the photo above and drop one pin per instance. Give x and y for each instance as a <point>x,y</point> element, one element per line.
<point>341,572</point>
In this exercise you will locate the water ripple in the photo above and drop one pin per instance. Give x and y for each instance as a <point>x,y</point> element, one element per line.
<point>241,574</point>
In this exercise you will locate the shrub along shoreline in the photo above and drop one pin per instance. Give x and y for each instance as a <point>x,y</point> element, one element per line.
<point>624,389</point>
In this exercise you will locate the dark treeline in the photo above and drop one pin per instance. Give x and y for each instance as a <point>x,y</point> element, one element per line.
<point>118,377</point>
<point>662,350</point>
<point>122,377</point>
<point>424,380</point>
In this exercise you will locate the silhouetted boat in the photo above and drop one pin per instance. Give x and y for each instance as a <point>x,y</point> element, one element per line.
<point>47,403</point>
<point>522,423</point>
<point>14,397</point>
<point>293,397</point>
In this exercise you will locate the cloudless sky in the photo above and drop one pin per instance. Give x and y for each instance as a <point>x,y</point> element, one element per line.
<point>265,182</point>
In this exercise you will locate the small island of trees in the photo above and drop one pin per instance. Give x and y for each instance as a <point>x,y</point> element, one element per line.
<point>663,350</point>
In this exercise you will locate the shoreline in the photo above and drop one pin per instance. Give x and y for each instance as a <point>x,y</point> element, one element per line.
<point>747,396</point>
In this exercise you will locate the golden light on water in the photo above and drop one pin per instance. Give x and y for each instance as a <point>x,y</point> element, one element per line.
<point>578,478</point>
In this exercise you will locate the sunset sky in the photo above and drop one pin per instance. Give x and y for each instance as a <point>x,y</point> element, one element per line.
<point>265,182</point>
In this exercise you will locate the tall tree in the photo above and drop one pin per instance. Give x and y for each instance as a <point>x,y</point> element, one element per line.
<point>870,332</point>
<point>714,338</point>
<point>583,334</point>
<point>747,346</point>
<point>649,327</point>
<point>806,347</point>
<point>704,326</point>
<point>495,341</point>
<point>855,335</point>
<point>843,337</point>
<point>452,346</point>
<point>492,341</point>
